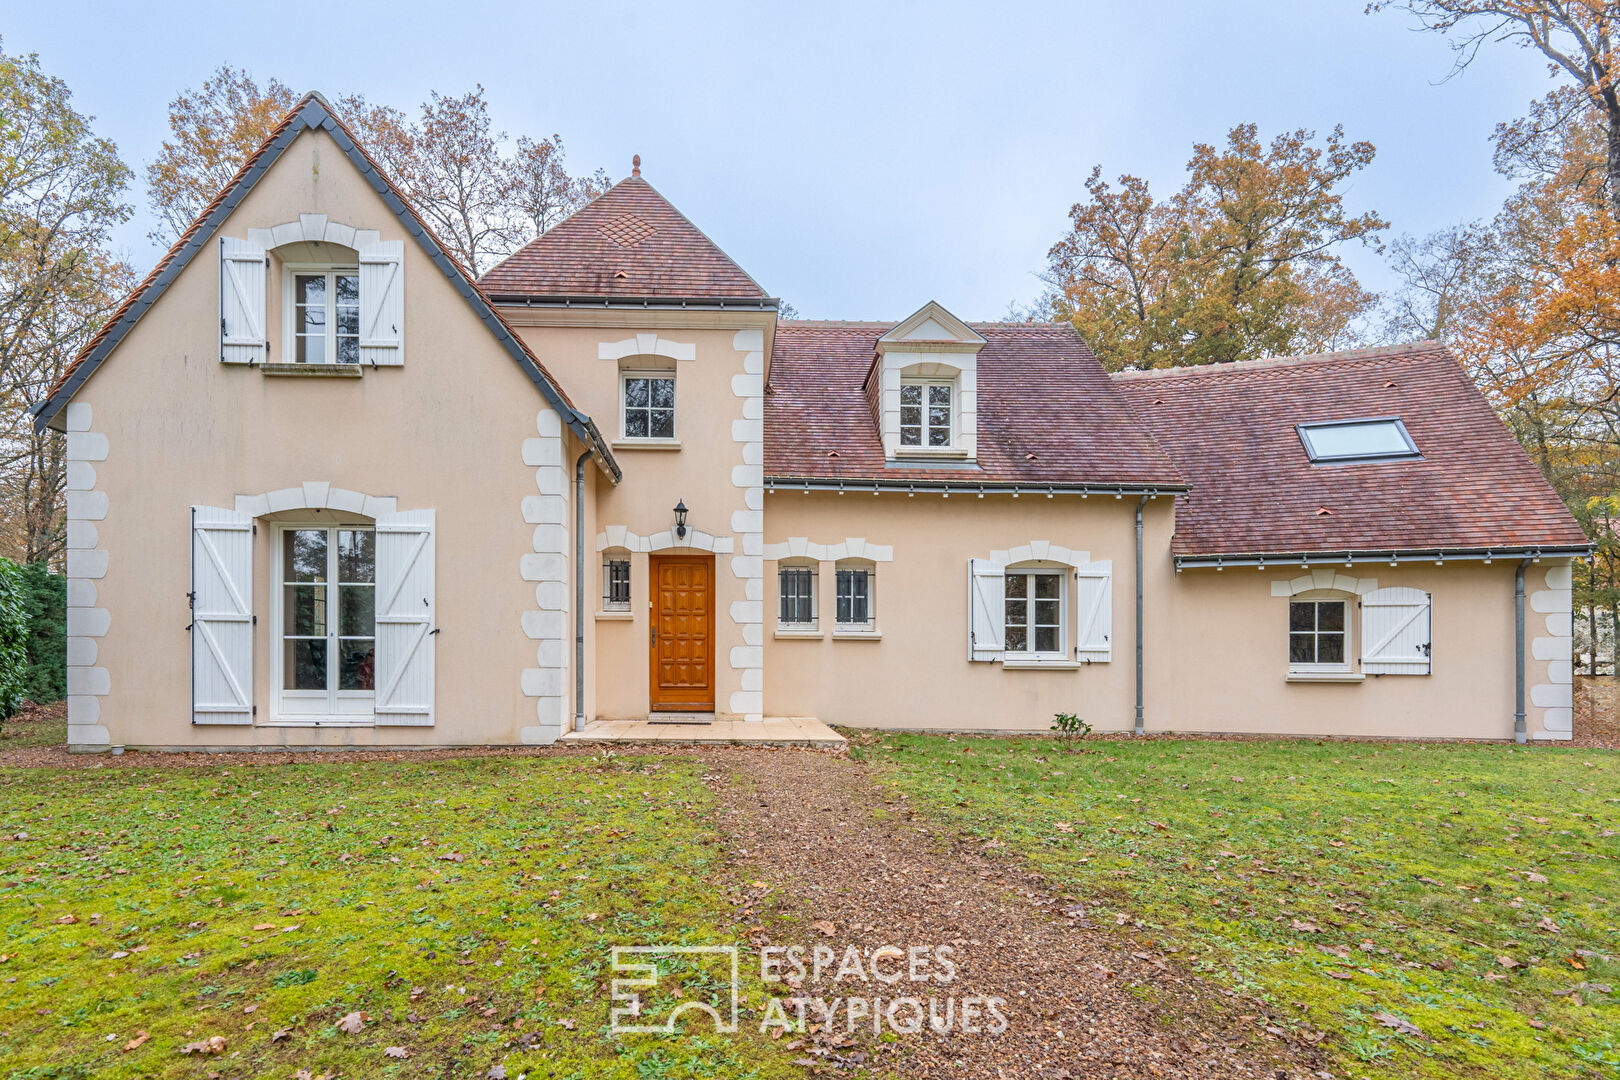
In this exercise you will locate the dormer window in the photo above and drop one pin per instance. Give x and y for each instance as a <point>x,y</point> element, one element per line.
<point>926,413</point>
<point>923,387</point>
<point>325,317</point>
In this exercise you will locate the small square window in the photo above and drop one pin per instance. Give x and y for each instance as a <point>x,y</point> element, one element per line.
<point>1383,439</point>
<point>649,406</point>
<point>1316,634</point>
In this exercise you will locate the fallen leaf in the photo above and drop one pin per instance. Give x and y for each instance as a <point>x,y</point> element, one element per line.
<point>397,1052</point>
<point>1339,973</point>
<point>281,1035</point>
<point>1507,961</point>
<point>1535,878</point>
<point>1062,826</point>
<point>825,926</point>
<point>290,929</point>
<point>565,1023</point>
<point>259,928</point>
<point>68,920</point>
<point>1390,1020</point>
<point>140,1037</point>
<point>496,1072</point>
<point>1304,926</point>
<point>1546,924</point>
<point>352,1023</point>
<point>1158,825</point>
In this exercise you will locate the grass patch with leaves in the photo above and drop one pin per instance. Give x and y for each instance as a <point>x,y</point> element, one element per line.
<point>392,919</point>
<point>1417,910</point>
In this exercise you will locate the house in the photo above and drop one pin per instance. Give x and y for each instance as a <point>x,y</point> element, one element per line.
<point>325,489</point>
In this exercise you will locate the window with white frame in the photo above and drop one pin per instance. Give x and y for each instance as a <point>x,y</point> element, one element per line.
<point>616,581</point>
<point>1354,441</point>
<point>796,603</point>
<point>855,596</point>
<point>1318,635</point>
<point>1034,623</point>
<point>323,315</point>
<point>325,619</point>
<point>927,413</point>
<point>647,404</point>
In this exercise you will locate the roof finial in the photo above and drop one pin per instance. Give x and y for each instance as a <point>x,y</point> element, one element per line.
<point>635,165</point>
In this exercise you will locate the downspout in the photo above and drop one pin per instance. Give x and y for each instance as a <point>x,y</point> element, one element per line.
<point>1139,504</point>
<point>579,589</point>
<point>1518,652</point>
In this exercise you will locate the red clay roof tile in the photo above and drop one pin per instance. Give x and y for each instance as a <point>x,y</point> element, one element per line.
<point>1047,413</point>
<point>1230,427</point>
<point>629,242</point>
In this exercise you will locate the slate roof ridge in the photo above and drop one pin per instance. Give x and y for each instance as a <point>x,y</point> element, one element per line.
<point>1293,362</point>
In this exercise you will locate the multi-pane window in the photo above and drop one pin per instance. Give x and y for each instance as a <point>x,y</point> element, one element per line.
<point>1034,611</point>
<point>326,318</point>
<point>328,612</point>
<point>854,598</point>
<point>616,583</point>
<point>797,587</point>
<point>925,414</point>
<point>1316,632</point>
<point>649,406</point>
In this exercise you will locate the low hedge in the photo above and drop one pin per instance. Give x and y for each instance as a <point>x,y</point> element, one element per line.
<point>33,635</point>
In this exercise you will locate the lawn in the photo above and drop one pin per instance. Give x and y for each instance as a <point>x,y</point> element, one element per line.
<point>464,909</point>
<point>1416,910</point>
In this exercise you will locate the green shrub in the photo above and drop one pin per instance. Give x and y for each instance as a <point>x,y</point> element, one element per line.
<point>1070,729</point>
<point>13,638</point>
<point>45,594</point>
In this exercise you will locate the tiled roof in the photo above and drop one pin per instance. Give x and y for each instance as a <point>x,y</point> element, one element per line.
<point>1230,427</point>
<point>1047,413</point>
<point>311,112</point>
<point>628,243</point>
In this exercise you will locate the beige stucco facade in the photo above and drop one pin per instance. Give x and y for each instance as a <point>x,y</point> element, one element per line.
<point>456,441</point>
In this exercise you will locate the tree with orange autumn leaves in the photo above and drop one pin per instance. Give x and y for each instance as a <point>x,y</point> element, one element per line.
<point>1241,262</point>
<point>1531,299</point>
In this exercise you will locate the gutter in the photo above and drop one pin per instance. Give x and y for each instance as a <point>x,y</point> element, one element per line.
<point>640,303</point>
<point>1139,505</point>
<point>1519,735</point>
<point>967,487</point>
<point>1438,556</point>
<point>579,588</point>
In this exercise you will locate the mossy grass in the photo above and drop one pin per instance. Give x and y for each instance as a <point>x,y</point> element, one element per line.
<point>466,907</point>
<point>1470,891</point>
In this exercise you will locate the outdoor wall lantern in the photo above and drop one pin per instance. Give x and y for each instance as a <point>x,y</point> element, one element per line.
<point>680,519</point>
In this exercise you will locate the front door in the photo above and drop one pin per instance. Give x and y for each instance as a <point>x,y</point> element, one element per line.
<point>682,633</point>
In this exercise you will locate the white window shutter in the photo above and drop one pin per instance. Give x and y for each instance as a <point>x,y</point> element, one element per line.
<point>405,628</point>
<point>987,627</point>
<point>1395,632</point>
<point>382,302</point>
<point>242,269</point>
<point>1094,610</point>
<point>221,616</point>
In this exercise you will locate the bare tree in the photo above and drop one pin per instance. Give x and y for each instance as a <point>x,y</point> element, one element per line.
<point>1577,38</point>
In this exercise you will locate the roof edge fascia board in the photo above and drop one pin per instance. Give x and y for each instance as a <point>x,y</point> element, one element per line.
<point>1306,559</point>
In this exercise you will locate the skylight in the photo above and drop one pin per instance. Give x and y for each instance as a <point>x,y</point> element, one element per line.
<point>1378,439</point>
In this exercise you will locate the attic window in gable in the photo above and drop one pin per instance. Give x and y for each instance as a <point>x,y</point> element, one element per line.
<point>1341,441</point>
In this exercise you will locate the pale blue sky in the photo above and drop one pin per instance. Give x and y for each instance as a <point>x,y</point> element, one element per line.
<point>856,159</point>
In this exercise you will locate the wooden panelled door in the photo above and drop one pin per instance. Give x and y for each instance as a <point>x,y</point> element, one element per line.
<point>682,633</point>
